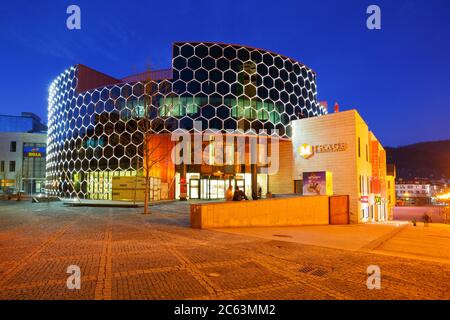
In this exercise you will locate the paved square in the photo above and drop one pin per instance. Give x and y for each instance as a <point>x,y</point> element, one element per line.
<point>125,255</point>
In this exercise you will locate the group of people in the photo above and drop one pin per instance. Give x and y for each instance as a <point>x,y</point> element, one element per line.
<point>237,195</point>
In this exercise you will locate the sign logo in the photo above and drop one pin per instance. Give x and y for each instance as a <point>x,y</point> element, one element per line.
<point>34,152</point>
<point>306,151</point>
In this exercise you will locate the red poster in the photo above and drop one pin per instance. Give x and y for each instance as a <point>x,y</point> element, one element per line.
<point>375,168</point>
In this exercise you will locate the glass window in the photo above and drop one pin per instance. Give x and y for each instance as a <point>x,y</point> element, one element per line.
<point>13,146</point>
<point>12,166</point>
<point>359,147</point>
<point>191,105</point>
<point>274,117</point>
<point>2,166</point>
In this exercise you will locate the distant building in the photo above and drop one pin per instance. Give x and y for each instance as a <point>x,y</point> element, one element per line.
<point>26,122</point>
<point>420,191</point>
<point>416,192</point>
<point>23,143</point>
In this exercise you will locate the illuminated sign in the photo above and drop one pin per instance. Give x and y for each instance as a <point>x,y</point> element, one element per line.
<point>375,168</point>
<point>335,147</point>
<point>364,199</point>
<point>34,152</point>
<point>307,150</point>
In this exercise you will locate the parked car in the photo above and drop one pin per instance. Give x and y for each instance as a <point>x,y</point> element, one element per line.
<point>12,192</point>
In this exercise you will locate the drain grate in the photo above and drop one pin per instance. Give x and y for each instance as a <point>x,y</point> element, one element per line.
<point>313,271</point>
<point>306,269</point>
<point>319,273</point>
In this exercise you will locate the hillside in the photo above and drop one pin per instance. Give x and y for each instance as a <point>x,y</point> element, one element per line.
<point>424,160</point>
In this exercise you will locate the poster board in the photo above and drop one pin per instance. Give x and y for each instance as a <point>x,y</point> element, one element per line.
<point>317,183</point>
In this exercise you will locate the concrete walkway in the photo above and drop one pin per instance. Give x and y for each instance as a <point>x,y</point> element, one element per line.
<point>108,203</point>
<point>409,213</point>
<point>347,237</point>
<point>430,243</point>
<point>123,254</point>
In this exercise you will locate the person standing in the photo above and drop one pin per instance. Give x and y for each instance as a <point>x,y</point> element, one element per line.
<point>229,193</point>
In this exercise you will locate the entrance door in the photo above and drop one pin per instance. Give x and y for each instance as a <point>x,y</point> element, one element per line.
<point>217,189</point>
<point>212,189</point>
<point>194,189</point>
<point>339,210</point>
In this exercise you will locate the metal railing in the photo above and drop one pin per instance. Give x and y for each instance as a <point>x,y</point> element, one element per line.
<point>154,75</point>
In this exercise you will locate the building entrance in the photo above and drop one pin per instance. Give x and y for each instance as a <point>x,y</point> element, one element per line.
<point>212,188</point>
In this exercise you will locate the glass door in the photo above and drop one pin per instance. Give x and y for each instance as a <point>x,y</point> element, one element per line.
<point>217,189</point>
<point>204,189</point>
<point>221,189</point>
<point>213,194</point>
<point>194,189</point>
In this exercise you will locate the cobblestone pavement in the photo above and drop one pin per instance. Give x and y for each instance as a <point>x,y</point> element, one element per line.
<point>125,255</point>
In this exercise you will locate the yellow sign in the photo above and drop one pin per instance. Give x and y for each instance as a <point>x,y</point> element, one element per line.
<point>306,151</point>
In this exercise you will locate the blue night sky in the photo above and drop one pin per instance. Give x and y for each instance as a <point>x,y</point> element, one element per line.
<point>398,78</point>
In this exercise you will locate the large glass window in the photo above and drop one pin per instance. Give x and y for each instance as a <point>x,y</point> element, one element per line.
<point>171,107</point>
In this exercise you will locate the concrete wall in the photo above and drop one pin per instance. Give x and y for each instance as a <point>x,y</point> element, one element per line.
<point>363,160</point>
<point>262,213</point>
<point>391,198</point>
<point>281,182</point>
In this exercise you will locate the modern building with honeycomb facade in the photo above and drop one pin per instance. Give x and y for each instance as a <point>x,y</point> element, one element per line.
<point>95,134</point>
